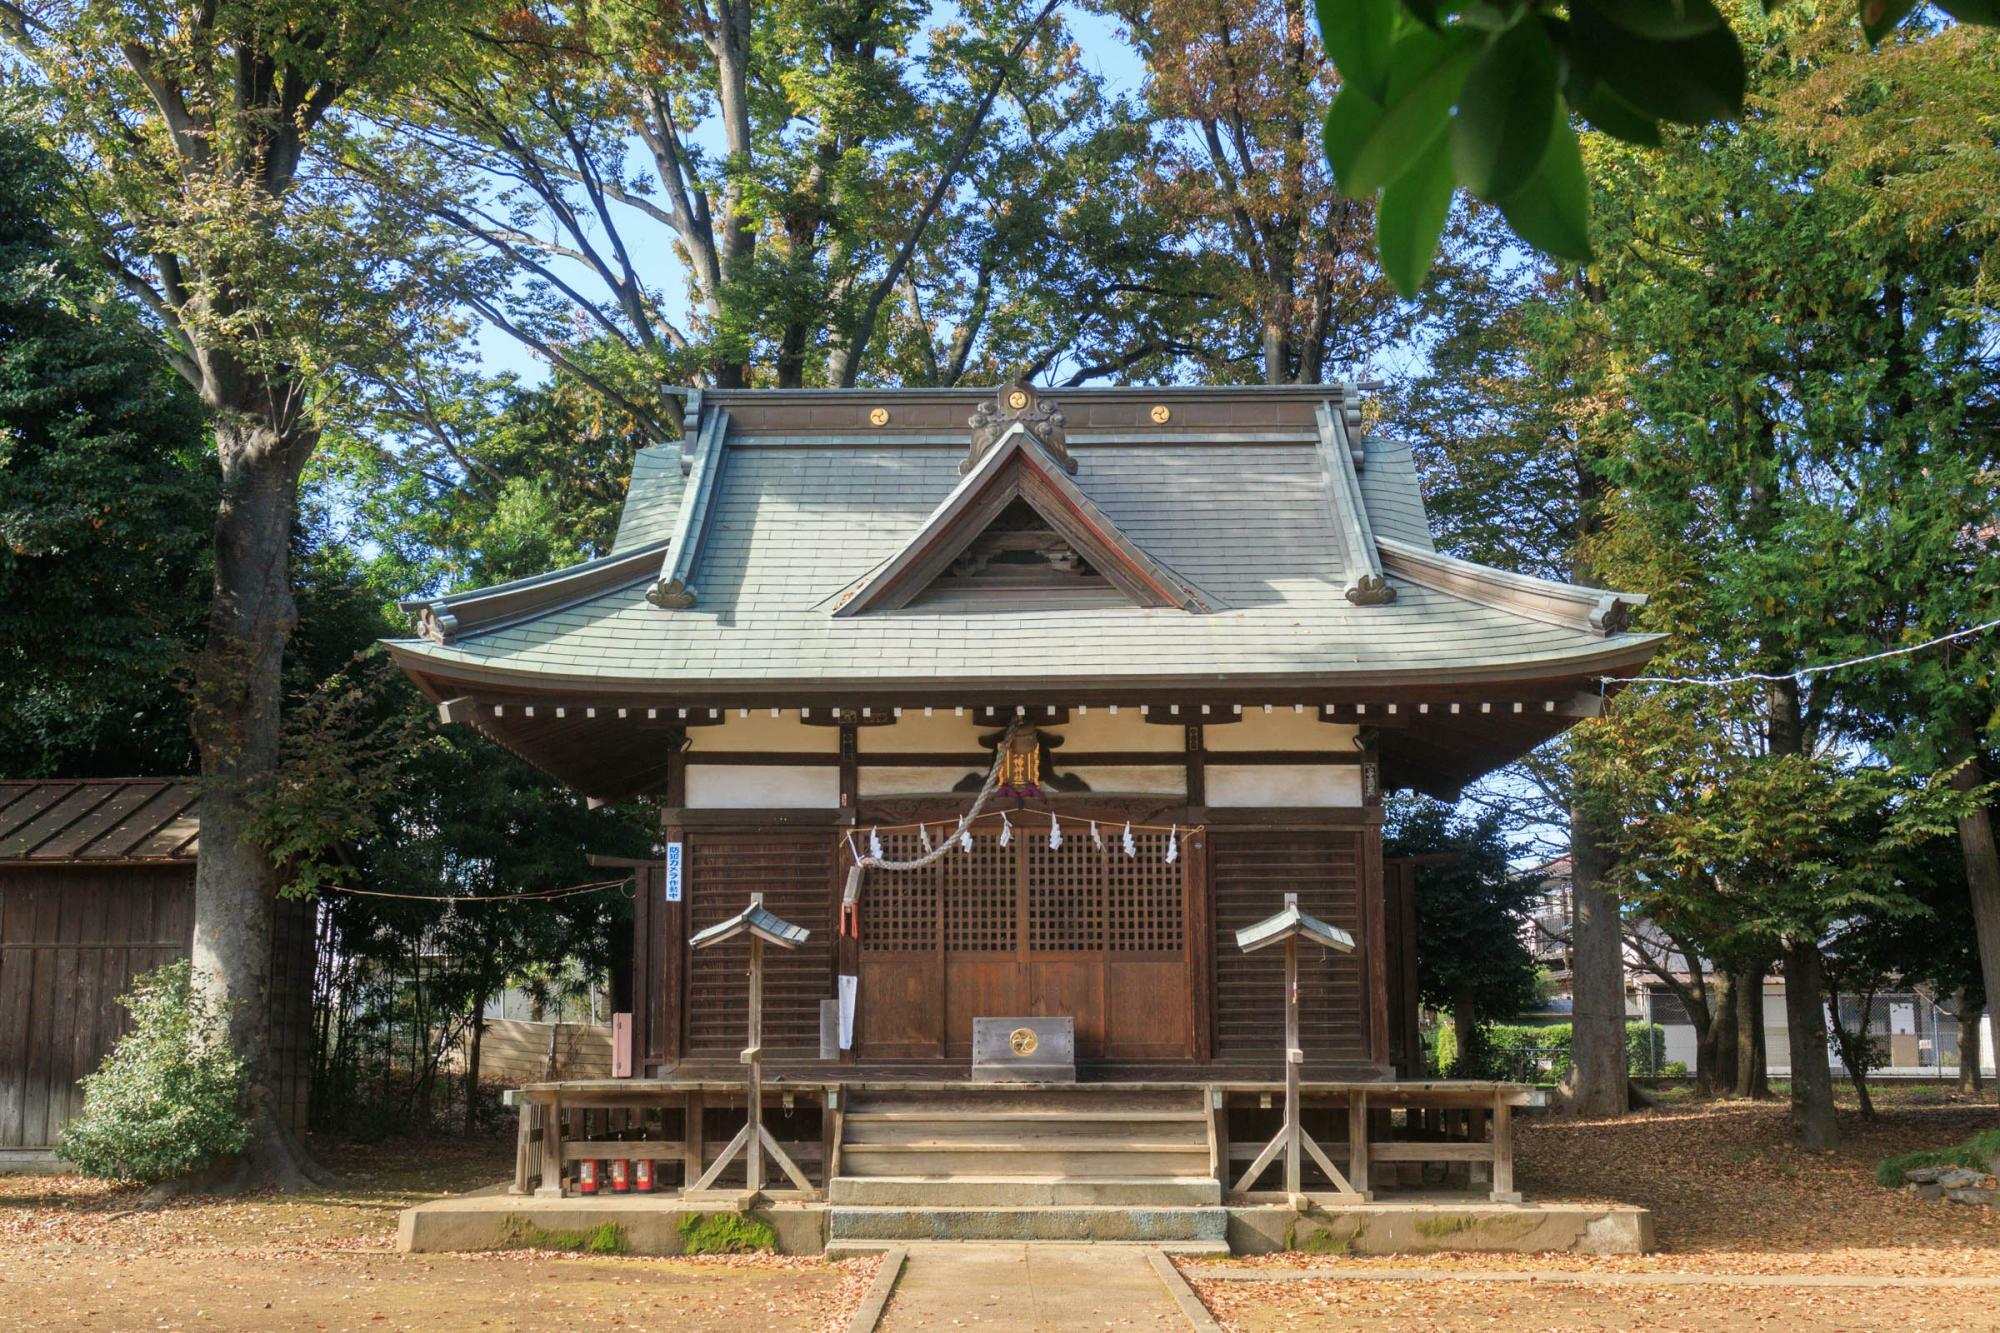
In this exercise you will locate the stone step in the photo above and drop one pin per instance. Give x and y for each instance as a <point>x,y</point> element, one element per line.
<point>1025,1191</point>
<point>1077,1223</point>
<point>991,1159</point>
<point>1013,1115</point>
<point>1028,1136</point>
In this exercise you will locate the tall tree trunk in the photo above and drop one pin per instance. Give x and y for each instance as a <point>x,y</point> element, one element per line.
<point>238,691</point>
<point>1982,866</point>
<point>1753,1066</point>
<point>1715,1045</point>
<point>1812,1074</point>
<point>478,1025</point>
<point>1464,1028</point>
<point>1970,1057</point>
<point>1597,1041</point>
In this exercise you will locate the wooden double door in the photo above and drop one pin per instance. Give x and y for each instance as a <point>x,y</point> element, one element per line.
<point>1082,930</point>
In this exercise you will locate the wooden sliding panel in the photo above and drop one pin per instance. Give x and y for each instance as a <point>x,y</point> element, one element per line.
<point>791,870</point>
<point>1252,871</point>
<point>899,1012</point>
<point>983,976</point>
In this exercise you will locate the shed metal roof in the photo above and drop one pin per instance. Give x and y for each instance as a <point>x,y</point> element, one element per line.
<point>99,820</point>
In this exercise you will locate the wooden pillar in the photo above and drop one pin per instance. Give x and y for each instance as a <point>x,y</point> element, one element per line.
<point>1503,1151</point>
<point>694,1143</point>
<point>1293,1056</point>
<point>1357,1142</point>
<point>552,1163</point>
<point>754,1053</point>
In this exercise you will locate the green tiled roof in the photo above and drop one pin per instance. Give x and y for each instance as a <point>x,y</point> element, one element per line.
<point>797,519</point>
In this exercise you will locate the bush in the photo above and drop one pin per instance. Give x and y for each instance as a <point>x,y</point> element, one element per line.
<point>1973,1154</point>
<point>169,1099</point>
<point>1537,1052</point>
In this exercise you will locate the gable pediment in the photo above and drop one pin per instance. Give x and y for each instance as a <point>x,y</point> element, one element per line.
<point>1017,524</point>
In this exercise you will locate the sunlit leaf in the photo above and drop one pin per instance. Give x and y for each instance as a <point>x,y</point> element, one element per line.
<point>1427,71</point>
<point>1666,20</point>
<point>1356,34</point>
<point>1691,81</point>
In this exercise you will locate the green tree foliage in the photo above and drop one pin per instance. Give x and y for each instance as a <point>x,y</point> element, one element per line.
<point>168,1100</point>
<point>1471,908</point>
<point>1438,94</point>
<point>102,458</point>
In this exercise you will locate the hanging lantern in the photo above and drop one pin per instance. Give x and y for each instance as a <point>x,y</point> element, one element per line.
<point>1021,763</point>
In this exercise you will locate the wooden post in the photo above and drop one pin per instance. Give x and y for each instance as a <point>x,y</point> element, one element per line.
<point>1503,1151</point>
<point>694,1144</point>
<point>551,1186</point>
<point>1293,1056</point>
<point>754,1053</point>
<point>1357,1142</point>
<point>524,1138</point>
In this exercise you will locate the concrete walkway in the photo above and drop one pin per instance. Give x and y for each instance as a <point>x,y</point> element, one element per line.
<point>1030,1287</point>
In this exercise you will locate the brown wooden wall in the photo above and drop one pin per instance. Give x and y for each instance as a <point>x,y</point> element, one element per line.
<point>72,937</point>
<point>1253,869</point>
<point>794,872</point>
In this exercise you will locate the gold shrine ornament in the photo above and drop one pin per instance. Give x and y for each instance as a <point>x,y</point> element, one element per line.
<point>1161,414</point>
<point>1021,761</point>
<point>1018,399</point>
<point>1023,1041</point>
<point>878,416</point>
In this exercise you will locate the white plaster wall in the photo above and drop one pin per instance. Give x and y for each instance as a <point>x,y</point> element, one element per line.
<point>1099,730</point>
<point>1315,785</point>
<point>763,786</point>
<point>759,731</point>
<point>900,781</point>
<point>1138,779</point>
<point>1279,729</point>
<point>943,732</point>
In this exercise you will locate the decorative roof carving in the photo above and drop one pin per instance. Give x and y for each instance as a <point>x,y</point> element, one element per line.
<point>1019,403</point>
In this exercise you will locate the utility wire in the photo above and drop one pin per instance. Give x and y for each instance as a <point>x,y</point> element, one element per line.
<point>1750,676</point>
<point>528,896</point>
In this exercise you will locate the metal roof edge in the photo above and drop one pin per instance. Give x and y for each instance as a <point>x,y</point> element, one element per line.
<point>476,611</point>
<point>1573,606</point>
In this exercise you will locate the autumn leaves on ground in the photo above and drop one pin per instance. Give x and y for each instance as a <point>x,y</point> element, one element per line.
<point>1729,1195</point>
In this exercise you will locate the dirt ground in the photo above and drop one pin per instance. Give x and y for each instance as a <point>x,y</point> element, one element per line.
<point>1729,1195</point>
<point>1728,1192</point>
<point>74,1254</point>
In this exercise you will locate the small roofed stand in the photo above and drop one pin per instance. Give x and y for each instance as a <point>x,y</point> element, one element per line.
<point>753,1140</point>
<point>1023,703</point>
<point>1288,927</point>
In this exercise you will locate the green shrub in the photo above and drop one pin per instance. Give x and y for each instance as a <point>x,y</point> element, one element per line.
<point>169,1099</point>
<point>725,1233</point>
<point>1537,1052</point>
<point>1974,1154</point>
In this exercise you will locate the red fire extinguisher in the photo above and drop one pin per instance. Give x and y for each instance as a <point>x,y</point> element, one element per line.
<point>642,1175</point>
<point>586,1177</point>
<point>621,1175</point>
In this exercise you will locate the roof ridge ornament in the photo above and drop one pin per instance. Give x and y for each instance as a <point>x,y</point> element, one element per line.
<point>1018,403</point>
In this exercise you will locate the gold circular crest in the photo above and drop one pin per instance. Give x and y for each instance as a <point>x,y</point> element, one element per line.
<point>1160,414</point>
<point>1018,399</point>
<point>878,416</point>
<point>1023,1040</point>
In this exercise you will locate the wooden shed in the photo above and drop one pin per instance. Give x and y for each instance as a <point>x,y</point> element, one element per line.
<point>96,887</point>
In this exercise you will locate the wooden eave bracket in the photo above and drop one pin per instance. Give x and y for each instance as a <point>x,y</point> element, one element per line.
<point>1338,449</point>
<point>443,620</point>
<point>1596,611</point>
<point>674,589</point>
<point>1018,466</point>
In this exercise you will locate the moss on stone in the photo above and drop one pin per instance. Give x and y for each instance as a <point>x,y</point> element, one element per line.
<point>518,1233</point>
<point>1310,1236</point>
<point>1438,1228</point>
<point>725,1233</point>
